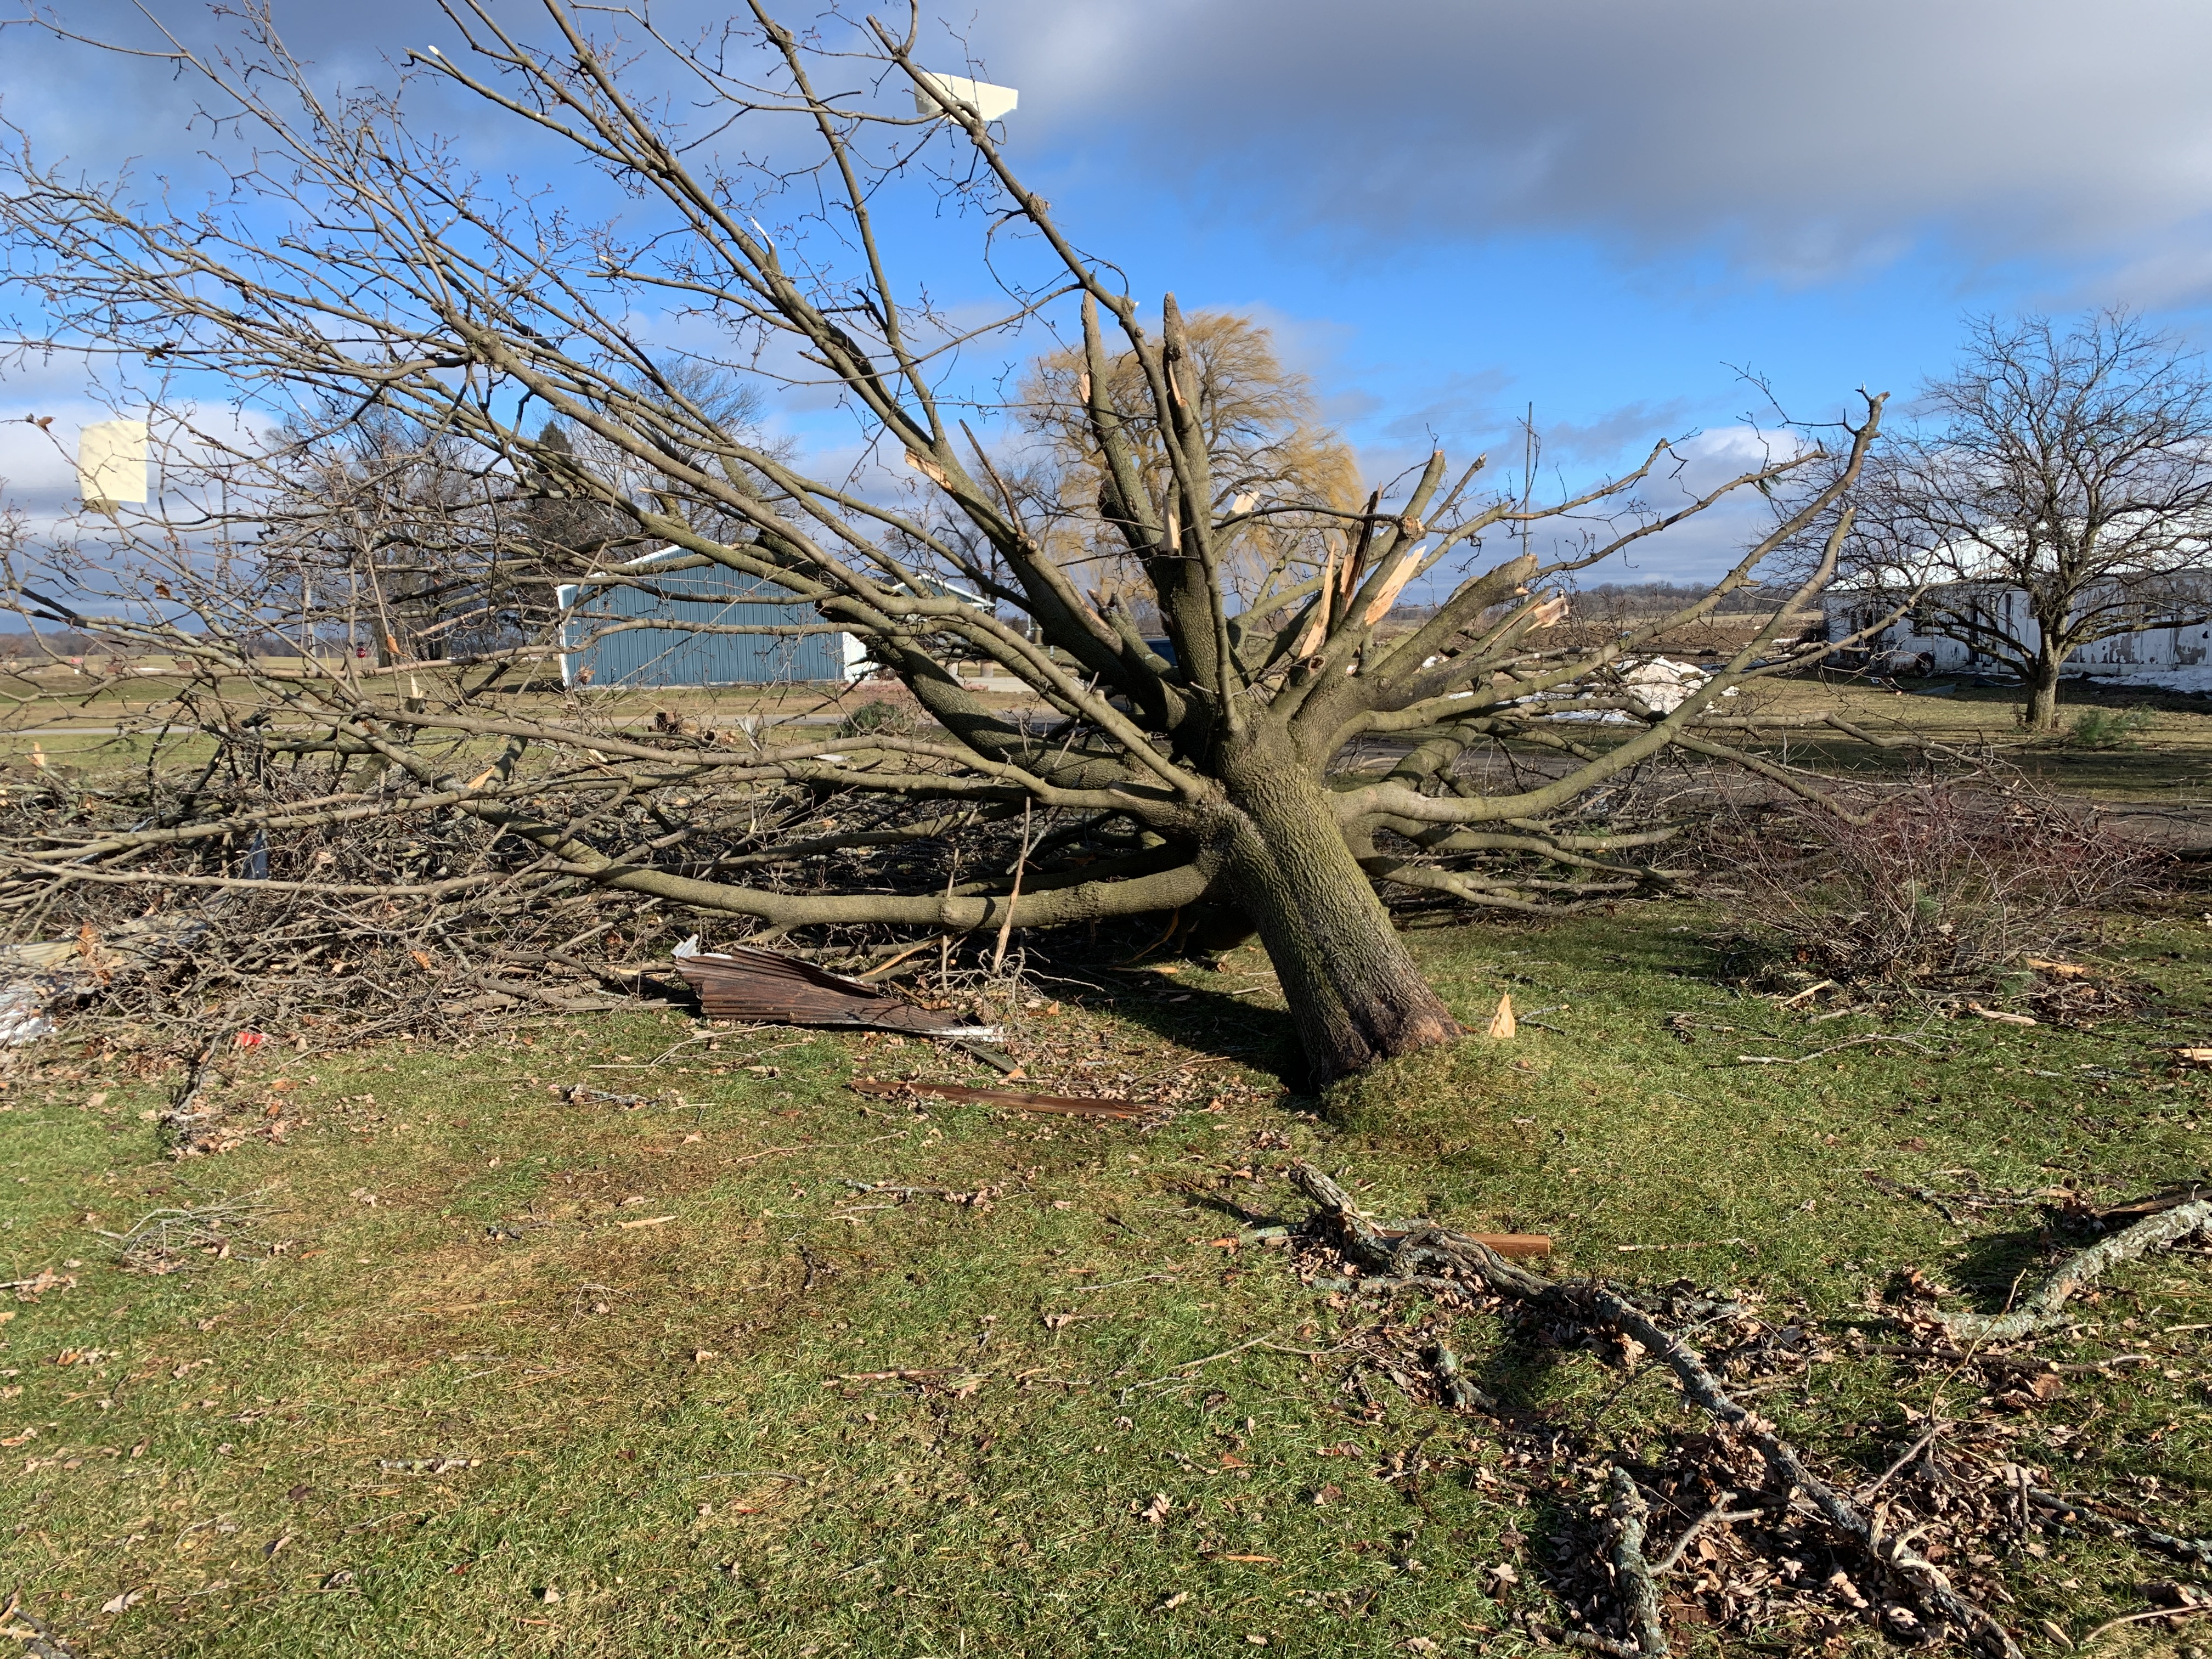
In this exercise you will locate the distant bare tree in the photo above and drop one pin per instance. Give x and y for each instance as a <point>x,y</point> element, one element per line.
<point>2056,490</point>
<point>356,264</point>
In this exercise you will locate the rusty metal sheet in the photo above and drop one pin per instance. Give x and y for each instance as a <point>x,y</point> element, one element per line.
<point>766,987</point>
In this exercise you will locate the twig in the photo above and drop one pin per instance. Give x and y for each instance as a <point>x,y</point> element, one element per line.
<point>1911,1452</point>
<point>1013,899</point>
<point>2198,1550</point>
<point>880,969</point>
<point>36,1635</point>
<point>1719,1515</point>
<point>1116,1284</point>
<point>1833,1049</point>
<point>2138,1617</point>
<point>889,1190</point>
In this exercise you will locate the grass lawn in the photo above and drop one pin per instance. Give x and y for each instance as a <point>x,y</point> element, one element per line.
<point>496,1373</point>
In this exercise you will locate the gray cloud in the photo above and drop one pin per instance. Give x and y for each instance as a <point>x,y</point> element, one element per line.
<point>1810,141</point>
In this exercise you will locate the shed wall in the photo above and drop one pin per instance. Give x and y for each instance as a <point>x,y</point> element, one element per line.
<point>677,654</point>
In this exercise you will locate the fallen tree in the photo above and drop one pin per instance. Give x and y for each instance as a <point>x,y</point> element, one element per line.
<point>1196,772</point>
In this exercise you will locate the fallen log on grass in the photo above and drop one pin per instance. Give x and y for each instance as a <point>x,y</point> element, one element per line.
<point>2041,1309</point>
<point>1596,1302</point>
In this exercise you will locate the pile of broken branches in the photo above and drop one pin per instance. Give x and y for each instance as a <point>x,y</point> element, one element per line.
<point>1768,1538</point>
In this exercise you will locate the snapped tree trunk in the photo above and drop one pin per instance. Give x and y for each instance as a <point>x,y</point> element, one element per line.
<point>1354,990</point>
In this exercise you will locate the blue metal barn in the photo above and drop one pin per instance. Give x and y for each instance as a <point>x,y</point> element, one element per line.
<point>679,595</point>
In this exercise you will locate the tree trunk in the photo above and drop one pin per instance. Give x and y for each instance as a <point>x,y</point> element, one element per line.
<point>2041,714</point>
<point>1353,989</point>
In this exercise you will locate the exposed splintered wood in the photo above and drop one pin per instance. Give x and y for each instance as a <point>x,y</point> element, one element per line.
<point>2042,1307</point>
<point>1071,1105</point>
<point>1597,1304</point>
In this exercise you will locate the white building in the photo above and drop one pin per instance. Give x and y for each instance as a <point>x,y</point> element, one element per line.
<point>2178,659</point>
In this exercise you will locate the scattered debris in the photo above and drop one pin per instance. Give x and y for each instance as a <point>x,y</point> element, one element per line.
<point>766,987</point>
<point>24,1005</point>
<point>577,1094</point>
<point>1072,1105</point>
<point>1502,1024</point>
<point>168,1241</point>
<point>200,1122</point>
<point>31,1289</point>
<point>1999,1015</point>
<point>979,1197</point>
<point>930,1379</point>
<point>1598,1307</point>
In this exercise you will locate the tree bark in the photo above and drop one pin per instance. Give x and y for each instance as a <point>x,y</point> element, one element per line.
<point>1354,990</point>
<point>2041,714</point>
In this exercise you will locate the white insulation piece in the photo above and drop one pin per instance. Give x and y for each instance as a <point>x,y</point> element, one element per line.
<point>111,464</point>
<point>991,102</point>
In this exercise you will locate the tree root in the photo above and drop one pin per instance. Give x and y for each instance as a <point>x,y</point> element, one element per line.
<point>1596,1302</point>
<point>2041,1309</point>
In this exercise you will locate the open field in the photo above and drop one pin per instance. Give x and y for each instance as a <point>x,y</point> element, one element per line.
<point>494,1373</point>
<point>2167,757</point>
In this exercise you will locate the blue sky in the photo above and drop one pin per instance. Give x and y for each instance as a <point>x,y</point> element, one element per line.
<point>1449,210</point>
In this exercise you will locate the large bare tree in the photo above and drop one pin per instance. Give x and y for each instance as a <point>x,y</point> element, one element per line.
<point>2055,490</point>
<point>356,264</point>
